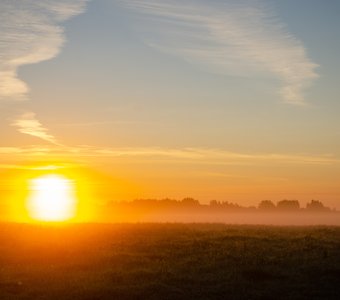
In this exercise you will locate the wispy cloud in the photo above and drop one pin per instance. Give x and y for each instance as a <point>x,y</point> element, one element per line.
<point>30,33</point>
<point>164,155</point>
<point>235,37</point>
<point>28,124</point>
<point>37,168</point>
<point>207,155</point>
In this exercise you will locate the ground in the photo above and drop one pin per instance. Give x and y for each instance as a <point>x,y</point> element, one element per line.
<point>168,261</point>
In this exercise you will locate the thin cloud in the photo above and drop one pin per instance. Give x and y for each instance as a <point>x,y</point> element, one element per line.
<point>207,155</point>
<point>241,38</point>
<point>36,168</point>
<point>30,33</point>
<point>28,124</point>
<point>183,155</point>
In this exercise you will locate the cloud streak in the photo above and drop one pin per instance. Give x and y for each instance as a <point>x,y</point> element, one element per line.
<point>28,124</point>
<point>243,38</point>
<point>183,155</point>
<point>30,33</point>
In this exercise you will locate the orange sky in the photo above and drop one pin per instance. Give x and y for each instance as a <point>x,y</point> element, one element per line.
<point>204,99</point>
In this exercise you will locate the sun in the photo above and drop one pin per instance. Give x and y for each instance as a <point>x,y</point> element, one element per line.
<point>52,198</point>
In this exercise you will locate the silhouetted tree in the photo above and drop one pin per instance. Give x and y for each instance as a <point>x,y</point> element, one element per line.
<point>225,205</point>
<point>266,205</point>
<point>289,205</point>
<point>316,205</point>
<point>214,203</point>
<point>190,202</point>
<point>230,205</point>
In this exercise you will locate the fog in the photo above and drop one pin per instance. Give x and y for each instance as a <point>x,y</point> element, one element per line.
<point>255,218</point>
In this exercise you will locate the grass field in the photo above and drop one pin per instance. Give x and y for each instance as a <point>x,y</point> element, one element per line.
<point>168,261</point>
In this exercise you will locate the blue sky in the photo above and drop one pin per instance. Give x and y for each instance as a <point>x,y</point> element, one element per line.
<point>252,84</point>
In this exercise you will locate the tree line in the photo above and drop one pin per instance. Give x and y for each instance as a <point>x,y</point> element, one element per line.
<point>214,205</point>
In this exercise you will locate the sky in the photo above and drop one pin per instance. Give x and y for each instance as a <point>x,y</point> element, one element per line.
<point>221,99</point>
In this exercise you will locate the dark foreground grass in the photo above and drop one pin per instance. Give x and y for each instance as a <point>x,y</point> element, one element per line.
<point>164,261</point>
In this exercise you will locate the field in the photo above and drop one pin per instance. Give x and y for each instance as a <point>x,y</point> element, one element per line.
<point>168,261</point>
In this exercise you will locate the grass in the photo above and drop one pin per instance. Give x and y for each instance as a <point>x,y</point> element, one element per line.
<point>168,261</point>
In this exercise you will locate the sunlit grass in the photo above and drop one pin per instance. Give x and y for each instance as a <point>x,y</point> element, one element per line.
<point>168,261</point>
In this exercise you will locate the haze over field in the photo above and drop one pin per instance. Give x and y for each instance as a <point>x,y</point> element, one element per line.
<point>117,100</point>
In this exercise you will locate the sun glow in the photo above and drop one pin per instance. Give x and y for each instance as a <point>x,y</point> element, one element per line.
<point>52,198</point>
